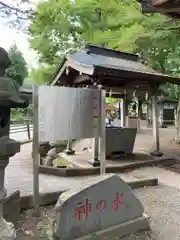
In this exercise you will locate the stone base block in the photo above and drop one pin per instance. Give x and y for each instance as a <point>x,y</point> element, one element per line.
<point>156,153</point>
<point>69,151</point>
<point>94,162</point>
<point>120,230</point>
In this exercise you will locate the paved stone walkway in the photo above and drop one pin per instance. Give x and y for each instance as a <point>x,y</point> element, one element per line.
<point>19,176</point>
<point>19,171</point>
<point>160,202</point>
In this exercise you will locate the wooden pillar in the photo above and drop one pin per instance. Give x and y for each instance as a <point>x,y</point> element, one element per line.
<point>139,113</point>
<point>95,150</point>
<point>147,115</point>
<point>123,112</point>
<point>160,110</point>
<point>95,159</point>
<point>69,150</point>
<point>155,126</point>
<point>119,110</point>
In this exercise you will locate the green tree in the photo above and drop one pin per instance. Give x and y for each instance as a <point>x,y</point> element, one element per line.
<point>42,75</point>
<point>18,70</point>
<point>60,26</point>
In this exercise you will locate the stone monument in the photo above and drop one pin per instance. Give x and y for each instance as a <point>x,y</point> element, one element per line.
<point>9,98</point>
<point>105,207</point>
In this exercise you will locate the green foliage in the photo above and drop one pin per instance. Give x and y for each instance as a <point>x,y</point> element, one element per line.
<point>19,114</point>
<point>18,70</point>
<point>45,232</point>
<point>62,26</point>
<point>42,75</point>
<point>112,100</point>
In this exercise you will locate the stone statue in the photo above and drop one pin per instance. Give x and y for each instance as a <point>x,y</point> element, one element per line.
<point>9,98</point>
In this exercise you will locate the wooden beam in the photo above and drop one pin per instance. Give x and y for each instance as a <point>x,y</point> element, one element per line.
<point>168,10</point>
<point>113,89</point>
<point>116,95</point>
<point>167,6</point>
<point>56,79</point>
<point>158,2</point>
<point>82,68</point>
<point>161,6</point>
<point>82,78</point>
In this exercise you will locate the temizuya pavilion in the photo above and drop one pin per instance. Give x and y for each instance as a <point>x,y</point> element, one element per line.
<point>115,70</point>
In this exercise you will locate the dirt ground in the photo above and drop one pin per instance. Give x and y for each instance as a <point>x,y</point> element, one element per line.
<point>30,227</point>
<point>161,203</point>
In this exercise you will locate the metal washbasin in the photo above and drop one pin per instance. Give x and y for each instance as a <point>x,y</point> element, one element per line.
<point>120,140</point>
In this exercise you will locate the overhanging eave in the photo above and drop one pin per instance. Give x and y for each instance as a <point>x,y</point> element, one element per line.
<point>80,67</point>
<point>110,69</point>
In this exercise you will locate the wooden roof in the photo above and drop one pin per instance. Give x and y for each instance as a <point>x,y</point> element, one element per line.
<point>109,68</point>
<point>26,92</point>
<point>170,8</point>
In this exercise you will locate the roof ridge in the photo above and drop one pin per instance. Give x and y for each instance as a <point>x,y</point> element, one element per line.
<point>111,53</point>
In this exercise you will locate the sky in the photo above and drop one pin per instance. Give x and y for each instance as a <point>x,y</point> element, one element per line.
<point>8,36</point>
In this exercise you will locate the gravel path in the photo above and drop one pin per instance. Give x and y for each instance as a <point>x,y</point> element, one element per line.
<point>163,206</point>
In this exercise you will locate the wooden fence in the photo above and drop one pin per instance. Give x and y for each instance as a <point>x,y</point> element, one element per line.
<point>21,126</point>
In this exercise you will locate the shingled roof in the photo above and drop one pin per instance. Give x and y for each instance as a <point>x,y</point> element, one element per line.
<point>95,57</point>
<point>108,67</point>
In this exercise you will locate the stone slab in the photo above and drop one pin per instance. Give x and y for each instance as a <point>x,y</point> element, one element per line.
<point>120,230</point>
<point>45,199</point>
<point>139,159</point>
<point>9,147</point>
<point>72,172</point>
<point>98,204</point>
<point>12,207</point>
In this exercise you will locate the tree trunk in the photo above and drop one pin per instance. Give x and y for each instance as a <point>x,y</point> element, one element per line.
<point>177,123</point>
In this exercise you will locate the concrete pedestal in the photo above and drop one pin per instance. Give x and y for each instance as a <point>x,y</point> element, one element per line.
<point>7,231</point>
<point>8,148</point>
<point>95,160</point>
<point>69,150</point>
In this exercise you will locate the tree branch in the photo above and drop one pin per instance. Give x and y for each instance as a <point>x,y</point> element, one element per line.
<point>9,9</point>
<point>4,5</point>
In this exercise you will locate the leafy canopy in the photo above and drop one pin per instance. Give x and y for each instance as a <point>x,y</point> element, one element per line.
<point>62,26</point>
<point>42,75</point>
<point>18,70</point>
